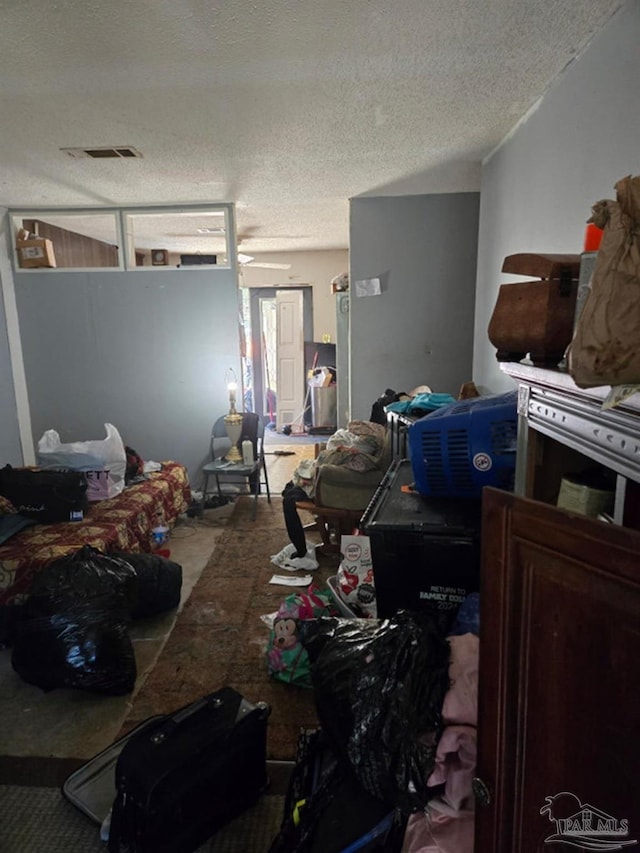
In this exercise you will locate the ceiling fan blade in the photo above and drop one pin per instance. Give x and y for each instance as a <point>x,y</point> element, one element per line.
<point>249,261</point>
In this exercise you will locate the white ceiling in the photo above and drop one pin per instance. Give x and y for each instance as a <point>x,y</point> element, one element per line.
<point>287,108</point>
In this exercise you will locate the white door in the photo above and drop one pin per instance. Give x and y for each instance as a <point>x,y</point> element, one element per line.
<point>290,359</point>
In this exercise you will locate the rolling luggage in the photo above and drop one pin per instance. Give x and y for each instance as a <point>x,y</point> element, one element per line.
<point>179,779</point>
<point>92,787</point>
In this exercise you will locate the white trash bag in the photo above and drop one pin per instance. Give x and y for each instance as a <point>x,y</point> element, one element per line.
<point>100,455</point>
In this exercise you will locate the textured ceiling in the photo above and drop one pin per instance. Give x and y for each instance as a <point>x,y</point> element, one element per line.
<point>287,108</point>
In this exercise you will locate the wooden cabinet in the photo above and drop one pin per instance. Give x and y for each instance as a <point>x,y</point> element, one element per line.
<point>559,708</point>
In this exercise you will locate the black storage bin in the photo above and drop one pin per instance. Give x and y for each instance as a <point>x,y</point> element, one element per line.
<point>425,550</point>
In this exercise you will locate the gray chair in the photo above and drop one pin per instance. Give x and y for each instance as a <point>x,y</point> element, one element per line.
<point>254,475</point>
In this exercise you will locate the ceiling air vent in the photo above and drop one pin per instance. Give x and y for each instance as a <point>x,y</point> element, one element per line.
<point>118,152</point>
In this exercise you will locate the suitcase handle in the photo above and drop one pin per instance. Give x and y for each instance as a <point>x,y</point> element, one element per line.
<point>184,714</point>
<point>213,701</point>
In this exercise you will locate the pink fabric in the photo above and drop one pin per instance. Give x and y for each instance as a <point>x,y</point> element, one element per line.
<point>439,833</point>
<point>447,824</point>
<point>455,766</point>
<point>460,706</point>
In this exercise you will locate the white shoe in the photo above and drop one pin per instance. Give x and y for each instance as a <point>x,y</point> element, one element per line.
<point>307,564</point>
<point>282,556</point>
<point>285,559</point>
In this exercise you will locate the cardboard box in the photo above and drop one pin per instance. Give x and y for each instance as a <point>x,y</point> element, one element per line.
<point>36,252</point>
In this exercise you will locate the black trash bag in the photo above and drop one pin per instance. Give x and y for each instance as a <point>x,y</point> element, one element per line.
<point>159,583</point>
<point>84,575</point>
<point>74,627</point>
<point>10,615</point>
<point>379,688</point>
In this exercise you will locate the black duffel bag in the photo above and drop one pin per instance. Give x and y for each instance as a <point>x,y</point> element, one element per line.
<point>45,496</point>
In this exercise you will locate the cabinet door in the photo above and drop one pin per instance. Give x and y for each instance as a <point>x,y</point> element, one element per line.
<point>559,697</point>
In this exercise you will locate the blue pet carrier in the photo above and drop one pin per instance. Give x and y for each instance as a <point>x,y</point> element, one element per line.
<point>460,448</point>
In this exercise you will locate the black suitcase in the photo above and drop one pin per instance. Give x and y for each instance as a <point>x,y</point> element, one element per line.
<point>92,787</point>
<point>180,779</point>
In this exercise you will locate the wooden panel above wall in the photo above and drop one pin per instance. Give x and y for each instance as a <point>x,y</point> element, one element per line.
<point>72,249</point>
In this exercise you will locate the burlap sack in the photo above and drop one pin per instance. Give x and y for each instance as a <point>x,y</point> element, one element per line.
<point>605,349</point>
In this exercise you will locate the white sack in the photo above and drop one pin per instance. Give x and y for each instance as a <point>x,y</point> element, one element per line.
<point>106,454</point>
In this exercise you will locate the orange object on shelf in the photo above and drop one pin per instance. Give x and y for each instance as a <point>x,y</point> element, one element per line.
<point>592,238</point>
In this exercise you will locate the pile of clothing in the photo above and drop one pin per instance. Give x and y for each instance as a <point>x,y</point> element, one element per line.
<point>397,705</point>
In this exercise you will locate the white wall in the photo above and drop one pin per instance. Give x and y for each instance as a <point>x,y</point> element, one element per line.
<point>16,444</point>
<point>314,268</point>
<point>539,186</point>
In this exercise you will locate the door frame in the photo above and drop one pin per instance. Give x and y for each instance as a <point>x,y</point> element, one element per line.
<point>256,294</point>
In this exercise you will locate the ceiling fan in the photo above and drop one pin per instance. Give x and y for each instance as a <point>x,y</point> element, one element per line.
<point>249,261</point>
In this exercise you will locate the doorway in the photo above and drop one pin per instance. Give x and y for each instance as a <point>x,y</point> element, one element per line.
<point>262,355</point>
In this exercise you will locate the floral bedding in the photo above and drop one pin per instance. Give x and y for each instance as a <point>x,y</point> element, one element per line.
<point>122,523</point>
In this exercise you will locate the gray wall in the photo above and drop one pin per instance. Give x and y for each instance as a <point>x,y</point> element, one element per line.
<point>420,329</point>
<point>538,188</point>
<point>146,351</point>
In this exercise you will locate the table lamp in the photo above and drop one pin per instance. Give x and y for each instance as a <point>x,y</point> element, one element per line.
<point>233,421</point>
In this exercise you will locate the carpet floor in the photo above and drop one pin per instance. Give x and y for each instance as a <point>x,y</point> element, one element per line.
<point>41,820</point>
<point>220,638</point>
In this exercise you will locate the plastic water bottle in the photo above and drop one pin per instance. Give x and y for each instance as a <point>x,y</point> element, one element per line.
<point>160,533</point>
<point>247,452</point>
